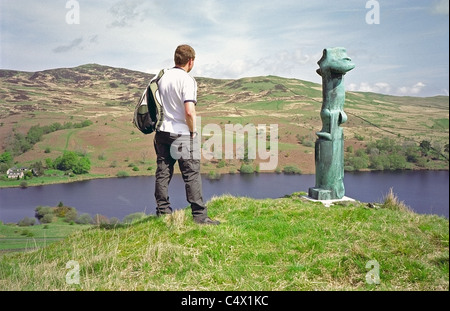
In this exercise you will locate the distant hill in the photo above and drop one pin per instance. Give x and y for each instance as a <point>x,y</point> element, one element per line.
<point>107,95</point>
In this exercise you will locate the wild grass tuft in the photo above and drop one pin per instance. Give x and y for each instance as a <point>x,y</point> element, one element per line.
<point>392,202</point>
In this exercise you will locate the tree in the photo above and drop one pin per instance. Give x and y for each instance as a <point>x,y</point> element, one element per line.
<point>67,162</point>
<point>379,162</point>
<point>397,161</point>
<point>84,219</point>
<point>71,215</point>
<point>38,168</point>
<point>27,221</point>
<point>246,169</point>
<point>35,134</point>
<point>70,161</point>
<point>6,157</point>
<point>425,145</point>
<point>41,211</point>
<point>83,166</point>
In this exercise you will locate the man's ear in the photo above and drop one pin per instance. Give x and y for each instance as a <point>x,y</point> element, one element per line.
<point>191,63</point>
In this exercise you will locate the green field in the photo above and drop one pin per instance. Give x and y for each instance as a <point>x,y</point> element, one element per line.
<point>17,238</point>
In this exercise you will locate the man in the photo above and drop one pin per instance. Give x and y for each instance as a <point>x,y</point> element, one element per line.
<point>178,93</point>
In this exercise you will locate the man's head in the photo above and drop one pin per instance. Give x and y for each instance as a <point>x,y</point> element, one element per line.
<point>184,56</point>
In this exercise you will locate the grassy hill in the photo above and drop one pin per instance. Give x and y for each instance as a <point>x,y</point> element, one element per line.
<point>106,96</point>
<point>286,244</point>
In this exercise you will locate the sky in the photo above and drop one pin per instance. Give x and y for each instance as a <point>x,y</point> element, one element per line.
<point>399,47</point>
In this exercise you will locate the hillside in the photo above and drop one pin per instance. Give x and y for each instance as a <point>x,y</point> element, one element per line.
<point>106,96</point>
<point>285,244</point>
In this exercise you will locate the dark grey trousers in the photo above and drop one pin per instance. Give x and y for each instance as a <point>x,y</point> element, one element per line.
<point>171,148</point>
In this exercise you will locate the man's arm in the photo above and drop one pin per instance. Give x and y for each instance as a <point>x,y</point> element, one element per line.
<point>189,109</point>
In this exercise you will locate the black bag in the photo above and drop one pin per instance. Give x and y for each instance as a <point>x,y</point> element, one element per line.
<point>148,113</point>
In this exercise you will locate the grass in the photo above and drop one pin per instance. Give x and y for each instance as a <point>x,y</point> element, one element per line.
<point>287,244</point>
<point>392,202</point>
<point>57,178</point>
<point>14,237</point>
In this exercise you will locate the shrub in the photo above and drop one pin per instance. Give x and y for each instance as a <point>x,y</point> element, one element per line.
<point>27,233</point>
<point>100,220</point>
<point>61,211</point>
<point>26,222</point>
<point>358,163</point>
<point>41,211</point>
<point>246,169</point>
<point>84,219</point>
<point>221,163</point>
<point>392,202</point>
<point>122,174</point>
<point>213,175</point>
<point>291,169</point>
<point>397,161</point>
<point>379,162</point>
<point>349,168</point>
<point>48,218</point>
<point>71,215</point>
<point>114,221</point>
<point>133,217</point>
<point>70,161</point>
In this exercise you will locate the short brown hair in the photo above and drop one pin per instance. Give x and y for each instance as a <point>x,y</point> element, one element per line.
<point>183,54</point>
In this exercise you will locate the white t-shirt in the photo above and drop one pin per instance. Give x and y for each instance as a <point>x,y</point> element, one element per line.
<point>176,87</point>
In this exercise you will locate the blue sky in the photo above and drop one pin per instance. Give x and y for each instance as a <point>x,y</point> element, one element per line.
<point>406,53</point>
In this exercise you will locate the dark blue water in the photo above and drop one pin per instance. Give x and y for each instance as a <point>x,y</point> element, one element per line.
<point>426,192</point>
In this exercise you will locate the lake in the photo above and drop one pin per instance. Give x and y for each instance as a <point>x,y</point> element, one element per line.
<point>426,192</point>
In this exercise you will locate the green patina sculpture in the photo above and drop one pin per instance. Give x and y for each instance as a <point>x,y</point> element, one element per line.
<point>329,148</point>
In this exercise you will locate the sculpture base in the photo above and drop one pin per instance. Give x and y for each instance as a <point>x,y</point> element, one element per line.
<point>320,194</point>
<point>328,203</point>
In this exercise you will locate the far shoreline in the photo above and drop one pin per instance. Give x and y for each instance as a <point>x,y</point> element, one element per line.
<point>82,178</point>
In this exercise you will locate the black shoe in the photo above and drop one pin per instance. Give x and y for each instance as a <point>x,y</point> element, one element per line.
<point>206,221</point>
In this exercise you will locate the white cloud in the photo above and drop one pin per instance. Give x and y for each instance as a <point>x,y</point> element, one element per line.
<point>413,90</point>
<point>125,13</point>
<point>379,87</point>
<point>440,7</point>
<point>386,88</point>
